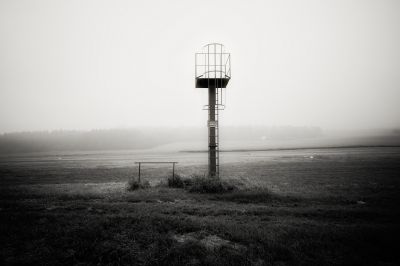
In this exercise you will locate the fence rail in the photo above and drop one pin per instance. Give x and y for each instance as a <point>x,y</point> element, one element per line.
<point>173,166</point>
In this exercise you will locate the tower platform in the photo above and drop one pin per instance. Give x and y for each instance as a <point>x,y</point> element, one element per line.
<point>212,82</point>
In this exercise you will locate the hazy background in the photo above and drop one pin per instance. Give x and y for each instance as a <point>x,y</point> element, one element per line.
<point>81,65</point>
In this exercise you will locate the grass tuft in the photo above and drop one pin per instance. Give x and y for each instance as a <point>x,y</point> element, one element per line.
<point>176,181</point>
<point>210,185</point>
<point>134,184</point>
<point>201,184</point>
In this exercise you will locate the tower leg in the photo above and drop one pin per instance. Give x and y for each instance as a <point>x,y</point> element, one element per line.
<point>212,144</point>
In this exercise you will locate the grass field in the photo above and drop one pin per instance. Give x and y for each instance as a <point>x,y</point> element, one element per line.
<point>294,207</point>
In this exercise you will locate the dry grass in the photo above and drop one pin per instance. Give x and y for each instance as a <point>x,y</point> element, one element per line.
<point>146,227</point>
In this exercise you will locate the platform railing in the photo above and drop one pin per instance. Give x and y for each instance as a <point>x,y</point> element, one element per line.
<point>220,63</point>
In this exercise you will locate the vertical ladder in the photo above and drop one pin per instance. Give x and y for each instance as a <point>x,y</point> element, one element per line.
<point>217,131</point>
<point>217,70</point>
<point>214,107</point>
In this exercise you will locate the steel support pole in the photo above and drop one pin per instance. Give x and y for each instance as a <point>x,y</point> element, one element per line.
<point>212,145</point>
<point>139,172</point>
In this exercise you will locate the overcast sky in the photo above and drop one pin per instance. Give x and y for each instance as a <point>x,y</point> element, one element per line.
<point>107,64</point>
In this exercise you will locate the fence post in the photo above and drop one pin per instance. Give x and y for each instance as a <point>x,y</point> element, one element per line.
<point>140,164</point>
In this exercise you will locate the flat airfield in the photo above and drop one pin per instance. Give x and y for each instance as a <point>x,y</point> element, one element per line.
<point>331,206</point>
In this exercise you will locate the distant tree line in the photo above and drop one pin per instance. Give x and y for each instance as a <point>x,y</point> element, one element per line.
<point>115,139</point>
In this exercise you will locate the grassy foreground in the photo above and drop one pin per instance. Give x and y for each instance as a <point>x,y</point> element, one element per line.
<point>336,208</point>
<point>103,223</point>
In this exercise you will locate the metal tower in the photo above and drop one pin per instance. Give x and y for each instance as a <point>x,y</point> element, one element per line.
<point>213,71</point>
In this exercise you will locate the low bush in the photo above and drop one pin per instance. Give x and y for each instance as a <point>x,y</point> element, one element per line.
<point>209,185</point>
<point>134,184</point>
<point>200,184</point>
<point>176,181</point>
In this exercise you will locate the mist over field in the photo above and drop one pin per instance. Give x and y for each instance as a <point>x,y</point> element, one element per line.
<point>191,139</point>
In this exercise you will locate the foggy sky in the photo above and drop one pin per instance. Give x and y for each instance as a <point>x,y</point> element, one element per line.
<point>106,64</point>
